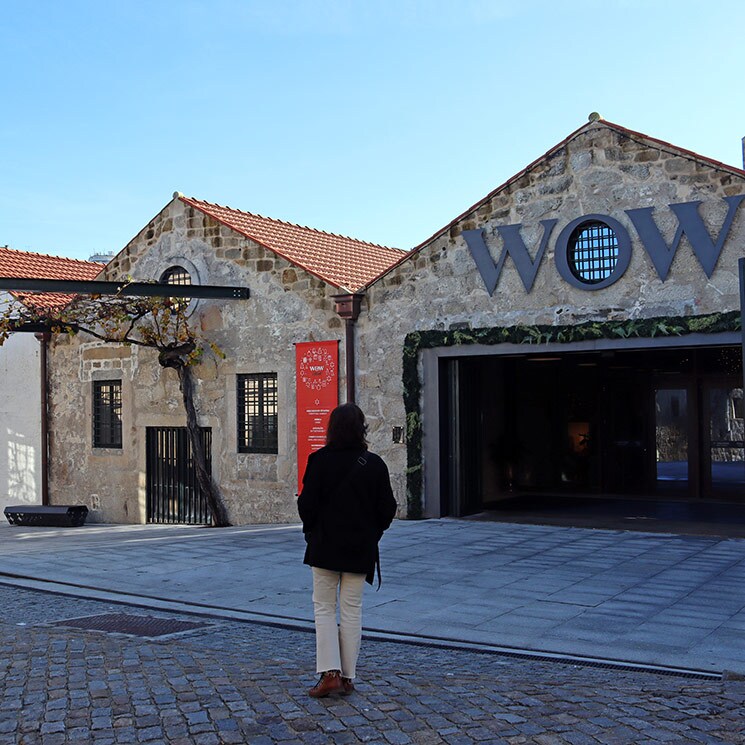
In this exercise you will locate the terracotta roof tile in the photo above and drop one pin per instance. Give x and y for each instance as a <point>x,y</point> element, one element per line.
<point>23,264</point>
<point>344,262</point>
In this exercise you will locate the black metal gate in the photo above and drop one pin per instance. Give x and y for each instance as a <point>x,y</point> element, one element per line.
<point>173,493</point>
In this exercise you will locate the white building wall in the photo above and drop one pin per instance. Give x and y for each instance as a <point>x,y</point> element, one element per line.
<point>20,421</point>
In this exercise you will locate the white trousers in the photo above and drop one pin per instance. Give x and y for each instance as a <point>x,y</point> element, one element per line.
<point>337,647</point>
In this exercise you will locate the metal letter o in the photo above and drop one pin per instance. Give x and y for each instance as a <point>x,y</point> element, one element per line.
<point>624,252</point>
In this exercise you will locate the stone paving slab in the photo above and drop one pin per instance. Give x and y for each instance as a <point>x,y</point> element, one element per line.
<point>646,598</point>
<point>247,683</point>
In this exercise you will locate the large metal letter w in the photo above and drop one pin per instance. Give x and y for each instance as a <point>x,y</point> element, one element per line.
<point>689,223</point>
<point>514,245</point>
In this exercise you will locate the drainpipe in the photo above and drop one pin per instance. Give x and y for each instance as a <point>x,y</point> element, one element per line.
<point>348,308</point>
<point>44,405</point>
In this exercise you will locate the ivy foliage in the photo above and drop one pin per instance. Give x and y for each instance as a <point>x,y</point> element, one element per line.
<point>416,341</point>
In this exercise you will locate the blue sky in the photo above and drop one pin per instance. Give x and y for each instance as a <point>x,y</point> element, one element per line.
<point>378,119</point>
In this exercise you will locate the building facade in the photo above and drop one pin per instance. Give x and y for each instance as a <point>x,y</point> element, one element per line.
<point>119,440</point>
<point>20,435</point>
<point>22,369</point>
<point>575,332</point>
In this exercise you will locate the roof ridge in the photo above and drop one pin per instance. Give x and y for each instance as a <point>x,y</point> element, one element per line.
<point>665,143</point>
<point>600,121</point>
<point>291,224</point>
<point>50,256</point>
<point>570,137</point>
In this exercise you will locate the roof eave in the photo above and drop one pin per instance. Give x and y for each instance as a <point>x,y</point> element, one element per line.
<point>246,234</point>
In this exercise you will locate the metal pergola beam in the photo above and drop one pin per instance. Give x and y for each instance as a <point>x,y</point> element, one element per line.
<point>135,289</point>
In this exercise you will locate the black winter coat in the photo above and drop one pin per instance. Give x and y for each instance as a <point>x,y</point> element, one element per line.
<point>346,504</point>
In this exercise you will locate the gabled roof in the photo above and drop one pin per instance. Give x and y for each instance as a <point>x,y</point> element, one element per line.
<point>23,264</point>
<point>347,263</point>
<point>594,123</point>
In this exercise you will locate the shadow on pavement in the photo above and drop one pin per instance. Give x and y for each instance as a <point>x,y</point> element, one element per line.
<point>722,519</point>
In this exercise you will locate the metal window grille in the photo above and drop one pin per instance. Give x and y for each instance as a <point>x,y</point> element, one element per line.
<point>107,413</point>
<point>257,413</point>
<point>593,252</point>
<point>176,275</point>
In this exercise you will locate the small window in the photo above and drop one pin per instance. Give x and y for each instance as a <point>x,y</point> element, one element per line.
<point>107,413</point>
<point>257,413</point>
<point>175,275</point>
<point>593,252</point>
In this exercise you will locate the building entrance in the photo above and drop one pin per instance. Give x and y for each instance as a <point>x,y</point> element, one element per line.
<point>646,423</point>
<point>173,494</point>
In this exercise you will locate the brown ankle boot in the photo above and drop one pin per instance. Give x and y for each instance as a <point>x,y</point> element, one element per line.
<point>348,686</point>
<point>329,682</point>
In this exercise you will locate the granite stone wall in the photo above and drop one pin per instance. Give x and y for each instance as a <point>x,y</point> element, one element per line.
<point>601,171</point>
<point>598,171</point>
<point>287,305</point>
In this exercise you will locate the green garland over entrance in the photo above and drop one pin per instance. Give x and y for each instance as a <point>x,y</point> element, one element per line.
<point>419,340</point>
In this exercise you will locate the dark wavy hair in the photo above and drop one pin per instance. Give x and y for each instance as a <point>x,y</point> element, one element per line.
<point>347,427</point>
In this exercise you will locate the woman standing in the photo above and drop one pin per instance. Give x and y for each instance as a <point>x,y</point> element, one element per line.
<point>346,504</point>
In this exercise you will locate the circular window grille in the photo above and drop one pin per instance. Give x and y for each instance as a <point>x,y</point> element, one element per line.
<point>176,275</point>
<point>592,252</point>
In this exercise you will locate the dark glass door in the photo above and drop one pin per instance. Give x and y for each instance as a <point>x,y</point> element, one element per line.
<point>673,447</point>
<point>460,433</point>
<point>723,439</point>
<point>626,456</point>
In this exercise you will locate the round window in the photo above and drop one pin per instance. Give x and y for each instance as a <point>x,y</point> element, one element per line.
<point>592,252</point>
<point>175,275</point>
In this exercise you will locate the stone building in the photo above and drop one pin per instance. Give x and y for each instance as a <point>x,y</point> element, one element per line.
<point>574,332</point>
<point>22,369</point>
<point>120,442</point>
<point>577,331</point>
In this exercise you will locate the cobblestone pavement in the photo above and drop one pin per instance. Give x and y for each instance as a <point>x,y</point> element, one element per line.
<point>247,683</point>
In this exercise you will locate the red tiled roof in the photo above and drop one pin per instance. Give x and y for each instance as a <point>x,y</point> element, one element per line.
<point>344,262</point>
<point>23,264</point>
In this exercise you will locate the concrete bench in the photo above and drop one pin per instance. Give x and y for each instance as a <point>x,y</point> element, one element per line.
<point>58,516</point>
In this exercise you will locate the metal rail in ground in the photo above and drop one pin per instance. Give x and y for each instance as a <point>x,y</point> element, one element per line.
<point>301,624</point>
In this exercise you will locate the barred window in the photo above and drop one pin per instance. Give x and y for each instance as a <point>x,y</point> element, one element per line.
<point>175,275</point>
<point>257,413</point>
<point>593,252</point>
<point>107,413</point>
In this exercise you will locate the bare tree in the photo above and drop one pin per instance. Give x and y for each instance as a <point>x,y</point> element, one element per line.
<point>157,323</point>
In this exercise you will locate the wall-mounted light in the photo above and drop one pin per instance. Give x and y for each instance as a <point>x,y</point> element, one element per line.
<point>398,434</point>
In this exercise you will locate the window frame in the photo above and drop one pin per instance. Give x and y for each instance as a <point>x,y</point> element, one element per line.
<point>176,275</point>
<point>250,423</point>
<point>593,252</point>
<point>106,415</point>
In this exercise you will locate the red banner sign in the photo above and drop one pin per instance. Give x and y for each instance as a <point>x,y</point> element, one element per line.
<point>317,371</point>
